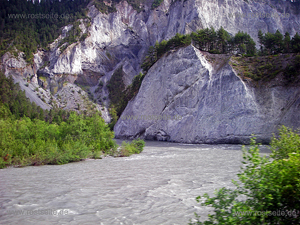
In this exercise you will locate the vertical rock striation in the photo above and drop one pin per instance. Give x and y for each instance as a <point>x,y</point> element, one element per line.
<point>122,39</point>
<point>183,98</point>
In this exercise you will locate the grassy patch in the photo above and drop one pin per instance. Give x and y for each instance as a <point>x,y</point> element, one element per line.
<point>42,78</point>
<point>266,68</point>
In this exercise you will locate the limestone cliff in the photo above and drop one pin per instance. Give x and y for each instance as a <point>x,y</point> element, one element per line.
<point>186,98</point>
<point>122,39</point>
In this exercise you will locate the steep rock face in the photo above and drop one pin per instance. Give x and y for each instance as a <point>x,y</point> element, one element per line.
<point>25,75</point>
<point>183,98</point>
<point>123,37</point>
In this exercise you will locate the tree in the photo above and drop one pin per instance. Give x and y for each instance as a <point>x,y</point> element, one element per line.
<point>269,42</point>
<point>223,39</point>
<point>250,46</point>
<point>278,42</point>
<point>161,48</point>
<point>296,43</point>
<point>201,39</point>
<point>212,36</point>
<point>287,42</point>
<point>244,44</point>
<point>150,58</point>
<point>266,186</point>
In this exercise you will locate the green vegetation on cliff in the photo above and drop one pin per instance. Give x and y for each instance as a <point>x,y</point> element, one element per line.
<point>156,3</point>
<point>17,103</point>
<point>220,42</point>
<point>121,95</point>
<point>159,49</point>
<point>276,43</point>
<point>216,42</point>
<point>32,136</point>
<point>266,187</point>
<point>26,26</point>
<point>266,68</point>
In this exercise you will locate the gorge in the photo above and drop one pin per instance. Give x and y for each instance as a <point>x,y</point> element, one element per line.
<point>216,105</point>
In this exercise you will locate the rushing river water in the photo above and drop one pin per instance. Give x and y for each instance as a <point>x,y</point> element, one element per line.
<point>158,186</point>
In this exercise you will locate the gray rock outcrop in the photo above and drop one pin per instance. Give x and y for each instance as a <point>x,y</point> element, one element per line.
<point>184,98</point>
<point>122,39</point>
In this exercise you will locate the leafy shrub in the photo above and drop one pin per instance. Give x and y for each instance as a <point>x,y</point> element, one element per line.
<point>135,147</point>
<point>126,149</point>
<point>288,142</point>
<point>265,186</point>
<point>138,145</point>
<point>36,142</point>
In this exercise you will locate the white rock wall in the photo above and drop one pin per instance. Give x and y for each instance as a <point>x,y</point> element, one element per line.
<point>200,105</point>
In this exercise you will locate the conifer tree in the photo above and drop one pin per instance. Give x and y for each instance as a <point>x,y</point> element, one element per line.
<point>223,38</point>
<point>296,43</point>
<point>286,42</point>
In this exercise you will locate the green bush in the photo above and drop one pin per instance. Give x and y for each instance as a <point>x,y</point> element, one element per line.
<point>288,142</point>
<point>266,186</point>
<point>159,49</point>
<point>156,3</point>
<point>138,145</point>
<point>135,147</point>
<point>36,142</point>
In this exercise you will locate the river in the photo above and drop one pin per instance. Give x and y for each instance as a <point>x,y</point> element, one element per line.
<point>158,186</point>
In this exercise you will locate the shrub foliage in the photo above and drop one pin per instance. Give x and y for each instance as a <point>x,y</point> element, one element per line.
<point>135,147</point>
<point>32,136</point>
<point>266,186</point>
<point>36,142</point>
